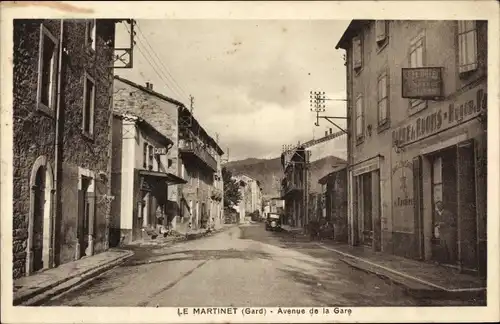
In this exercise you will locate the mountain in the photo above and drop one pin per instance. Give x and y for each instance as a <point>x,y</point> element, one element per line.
<point>269,172</point>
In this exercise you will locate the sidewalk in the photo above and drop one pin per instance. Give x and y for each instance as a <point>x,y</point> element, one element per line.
<point>37,288</point>
<point>420,279</point>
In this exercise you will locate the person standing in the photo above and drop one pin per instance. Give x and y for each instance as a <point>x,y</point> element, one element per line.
<point>445,230</point>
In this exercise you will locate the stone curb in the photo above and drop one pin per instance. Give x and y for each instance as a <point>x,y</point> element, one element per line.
<point>42,294</point>
<point>416,289</point>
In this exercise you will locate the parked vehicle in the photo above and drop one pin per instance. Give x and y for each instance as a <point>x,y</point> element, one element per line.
<point>273,222</point>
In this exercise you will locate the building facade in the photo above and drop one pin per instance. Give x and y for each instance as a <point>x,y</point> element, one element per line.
<point>201,198</point>
<point>334,191</point>
<point>295,186</point>
<point>139,180</point>
<point>194,155</point>
<point>251,197</point>
<point>417,104</point>
<point>63,83</point>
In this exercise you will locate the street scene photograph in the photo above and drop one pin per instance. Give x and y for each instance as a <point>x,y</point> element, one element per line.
<point>249,163</point>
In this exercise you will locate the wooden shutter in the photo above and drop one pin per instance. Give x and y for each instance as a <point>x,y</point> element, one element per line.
<point>481,149</point>
<point>381,29</point>
<point>357,55</point>
<point>418,207</point>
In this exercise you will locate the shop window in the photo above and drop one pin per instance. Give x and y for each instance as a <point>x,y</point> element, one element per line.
<point>88,105</point>
<point>90,34</point>
<point>359,118</point>
<point>383,101</point>
<point>417,49</point>
<point>467,46</point>
<point>357,49</point>
<point>47,71</point>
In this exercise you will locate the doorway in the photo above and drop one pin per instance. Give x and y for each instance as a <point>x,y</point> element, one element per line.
<point>365,208</point>
<point>38,219</point>
<point>85,215</point>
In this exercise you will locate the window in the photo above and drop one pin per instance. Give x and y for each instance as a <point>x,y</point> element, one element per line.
<point>359,117</point>
<point>383,102</point>
<point>47,70</point>
<point>90,34</point>
<point>144,155</point>
<point>467,46</point>
<point>357,56</point>
<point>88,105</point>
<point>417,60</point>
<point>381,32</point>
<point>151,157</point>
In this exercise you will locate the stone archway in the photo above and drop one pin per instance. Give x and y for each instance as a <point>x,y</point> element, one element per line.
<point>40,218</point>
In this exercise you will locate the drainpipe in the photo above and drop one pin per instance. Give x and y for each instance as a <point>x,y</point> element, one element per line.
<point>57,146</point>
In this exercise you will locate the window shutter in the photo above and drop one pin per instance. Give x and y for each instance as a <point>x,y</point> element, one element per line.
<point>418,205</point>
<point>356,41</point>
<point>381,29</point>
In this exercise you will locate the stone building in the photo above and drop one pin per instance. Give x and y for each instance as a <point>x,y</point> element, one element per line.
<point>251,197</point>
<point>194,155</point>
<point>139,180</point>
<point>62,87</point>
<point>417,104</point>
<point>295,186</point>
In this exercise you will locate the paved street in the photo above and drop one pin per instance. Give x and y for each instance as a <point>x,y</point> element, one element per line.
<point>245,266</point>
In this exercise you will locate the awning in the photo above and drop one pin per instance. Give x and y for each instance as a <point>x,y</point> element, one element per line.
<point>170,178</point>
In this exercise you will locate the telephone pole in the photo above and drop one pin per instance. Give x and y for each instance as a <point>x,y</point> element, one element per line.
<point>317,105</point>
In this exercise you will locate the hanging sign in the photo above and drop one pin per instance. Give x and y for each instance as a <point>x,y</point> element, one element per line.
<point>422,83</point>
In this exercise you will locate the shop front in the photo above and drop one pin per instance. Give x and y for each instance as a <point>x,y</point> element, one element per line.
<point>439,184</point>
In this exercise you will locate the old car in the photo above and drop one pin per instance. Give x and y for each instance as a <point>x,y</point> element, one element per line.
<point>273,222</point>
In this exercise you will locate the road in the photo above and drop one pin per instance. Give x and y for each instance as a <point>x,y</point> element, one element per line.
<point>243,266</point>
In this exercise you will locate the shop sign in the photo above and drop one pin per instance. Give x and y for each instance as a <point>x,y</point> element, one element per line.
<point>402,197</point>
<point>160,151</point>
<point>466,107</point>
<point>422,83</point>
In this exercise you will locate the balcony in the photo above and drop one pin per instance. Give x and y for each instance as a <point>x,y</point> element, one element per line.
<point>288,187</point>
<point>197,151</point>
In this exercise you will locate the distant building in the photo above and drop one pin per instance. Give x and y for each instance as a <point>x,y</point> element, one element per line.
<point>251,197</point>
<point>417,104</point>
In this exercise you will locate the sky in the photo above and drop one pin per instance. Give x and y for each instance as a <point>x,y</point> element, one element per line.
<point>250,79</point>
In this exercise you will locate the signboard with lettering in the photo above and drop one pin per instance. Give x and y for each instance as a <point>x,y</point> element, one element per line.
<point>160,151</point>
<point>466,107</point>
<point>402,197</point>
<point>422,83</point>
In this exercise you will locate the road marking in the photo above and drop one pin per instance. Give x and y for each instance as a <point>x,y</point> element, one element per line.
<point>400,273</point>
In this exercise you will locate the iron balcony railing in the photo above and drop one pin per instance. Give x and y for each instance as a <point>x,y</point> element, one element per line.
<point>192,147</point>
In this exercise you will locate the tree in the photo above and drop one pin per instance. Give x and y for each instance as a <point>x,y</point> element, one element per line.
<point>232,194</point>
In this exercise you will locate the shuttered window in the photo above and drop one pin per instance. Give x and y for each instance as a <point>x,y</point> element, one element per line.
<point>383,102</point>
<point>467,46</point>
<point>417,60</point>
<point>357,48</point>
<point>381,31</point>
<point>359,117</point>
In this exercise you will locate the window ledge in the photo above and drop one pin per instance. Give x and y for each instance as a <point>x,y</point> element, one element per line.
<point>382,44</point>
<point>417,109</point>
<point>383,126</point>
<point>357,71</point>
<point>467,74</point>
<point>360,140</point>
<point>46,110</point>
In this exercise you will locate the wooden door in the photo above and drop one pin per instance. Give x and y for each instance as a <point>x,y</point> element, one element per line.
<point>39,211</point>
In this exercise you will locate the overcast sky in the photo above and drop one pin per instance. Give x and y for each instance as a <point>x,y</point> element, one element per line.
<point>250,78</point>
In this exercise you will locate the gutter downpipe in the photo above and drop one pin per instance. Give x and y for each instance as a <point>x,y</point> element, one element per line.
<point>56,194</point>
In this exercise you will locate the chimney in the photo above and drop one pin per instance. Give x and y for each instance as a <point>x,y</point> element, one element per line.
<point>326,133</point>
<point>149,86</point>
<point>331,130</point>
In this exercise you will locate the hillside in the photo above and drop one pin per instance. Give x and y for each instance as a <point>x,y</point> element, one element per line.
<point>269,172</point>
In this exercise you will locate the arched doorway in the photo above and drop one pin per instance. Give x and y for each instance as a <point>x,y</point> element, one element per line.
<point>39,245</point>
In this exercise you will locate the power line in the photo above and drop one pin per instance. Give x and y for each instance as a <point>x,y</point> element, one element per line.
<point>153,67</point>
<point>161,62</point>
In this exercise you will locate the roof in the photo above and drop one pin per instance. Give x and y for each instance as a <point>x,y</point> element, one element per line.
<point>352,30</point>
<point>182,108</point>
<point>143,123</point>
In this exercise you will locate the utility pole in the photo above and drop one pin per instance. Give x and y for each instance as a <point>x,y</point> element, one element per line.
<point>317,105</point>
<point>191,103</point>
